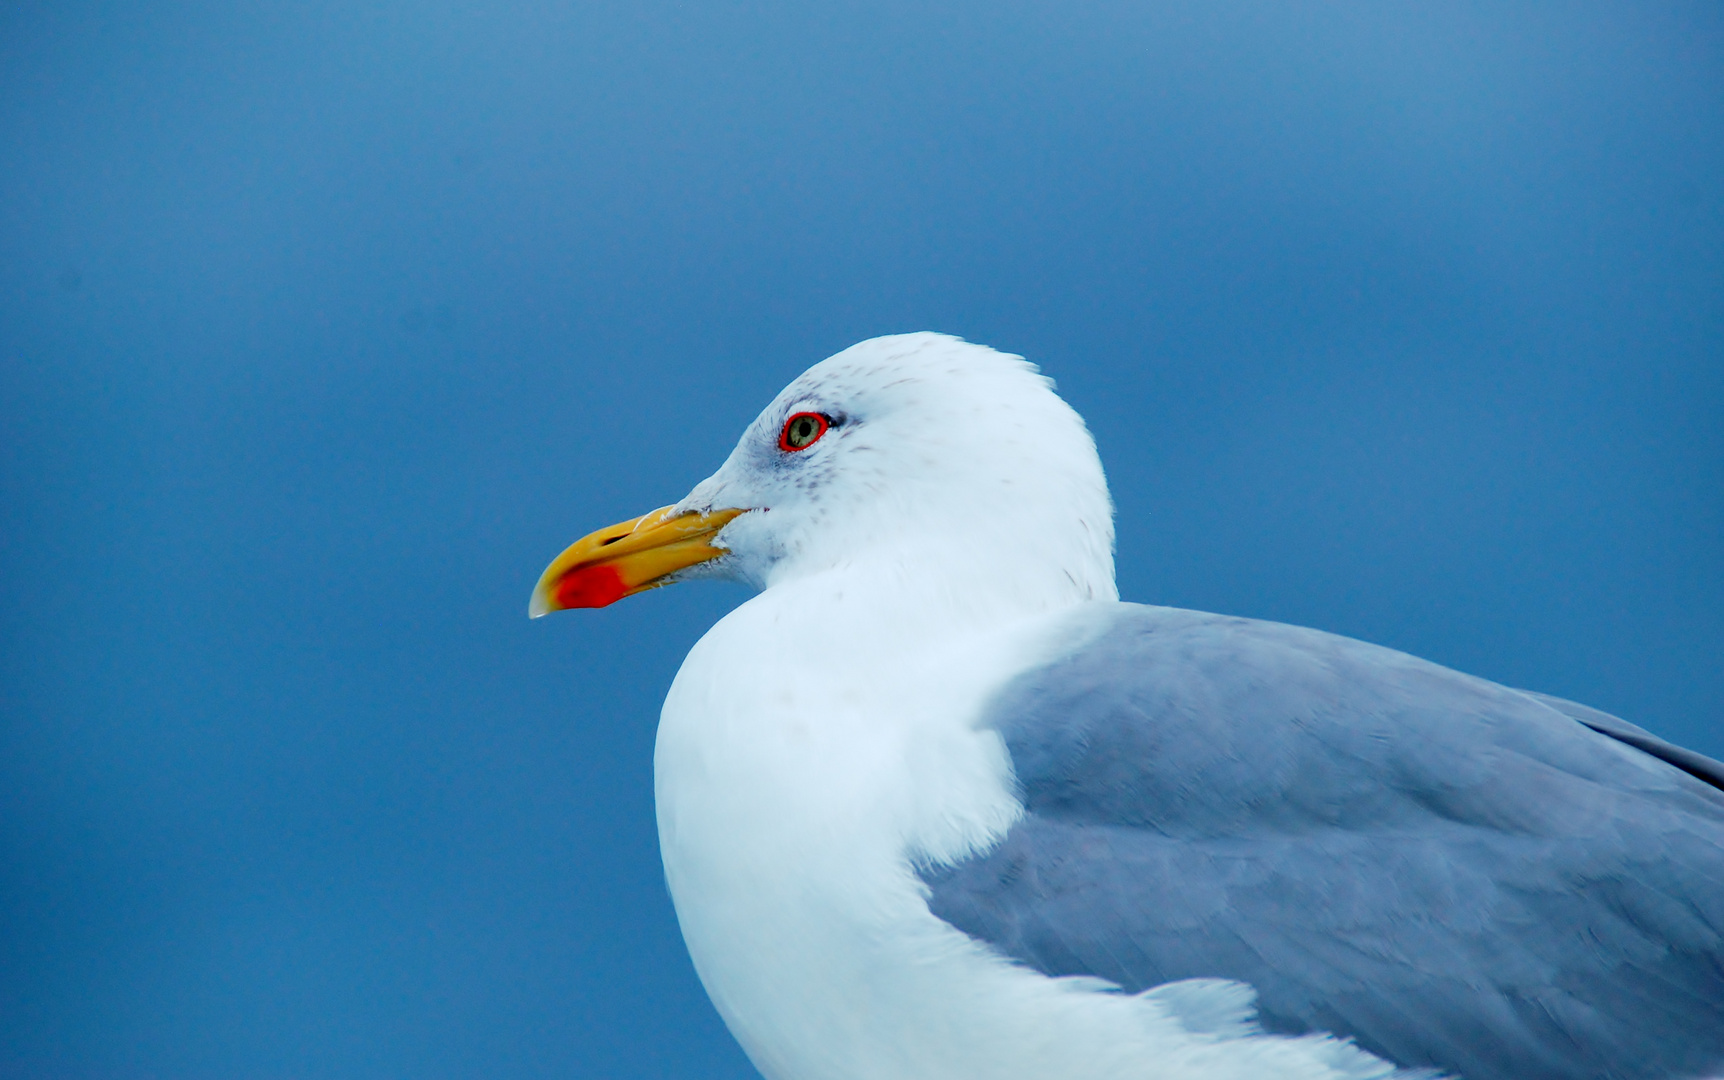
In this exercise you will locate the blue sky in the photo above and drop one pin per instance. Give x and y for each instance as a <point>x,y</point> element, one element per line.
<point>323,330</point>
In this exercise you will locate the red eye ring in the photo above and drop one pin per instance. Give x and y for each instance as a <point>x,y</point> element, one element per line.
<point>802,430</point>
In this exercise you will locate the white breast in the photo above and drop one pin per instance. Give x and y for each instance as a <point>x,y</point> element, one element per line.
<point>814,746</point>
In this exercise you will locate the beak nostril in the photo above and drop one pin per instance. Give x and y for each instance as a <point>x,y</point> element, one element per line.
<point>612,539</point>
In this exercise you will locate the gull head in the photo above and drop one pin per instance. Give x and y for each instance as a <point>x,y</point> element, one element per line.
<point>914,450</point>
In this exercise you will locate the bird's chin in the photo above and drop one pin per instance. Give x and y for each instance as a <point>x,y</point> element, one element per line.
<point>723,568</point>
<point>751,551</point>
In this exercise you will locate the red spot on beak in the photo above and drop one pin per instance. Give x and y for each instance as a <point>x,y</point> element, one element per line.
<point>591,586</point>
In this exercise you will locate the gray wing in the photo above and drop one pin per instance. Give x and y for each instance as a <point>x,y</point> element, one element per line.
<point>1452,873</point>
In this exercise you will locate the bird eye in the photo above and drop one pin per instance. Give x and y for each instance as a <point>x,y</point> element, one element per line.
<point>802,431</point>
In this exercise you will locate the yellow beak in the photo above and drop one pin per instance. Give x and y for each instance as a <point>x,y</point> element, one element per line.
<point>626,558</point>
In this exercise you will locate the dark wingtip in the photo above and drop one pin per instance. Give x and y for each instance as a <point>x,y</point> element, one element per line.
<point>1692,762</point>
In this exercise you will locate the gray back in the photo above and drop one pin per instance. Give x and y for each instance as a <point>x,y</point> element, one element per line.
<point>1452,873</point>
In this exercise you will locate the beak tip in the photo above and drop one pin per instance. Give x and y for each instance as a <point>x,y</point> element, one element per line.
<point>540,605</point>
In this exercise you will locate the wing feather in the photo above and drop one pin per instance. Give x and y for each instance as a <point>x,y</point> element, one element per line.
<point>1455,874</point>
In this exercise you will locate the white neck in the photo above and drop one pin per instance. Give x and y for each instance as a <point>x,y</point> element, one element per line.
<point>935,587</point>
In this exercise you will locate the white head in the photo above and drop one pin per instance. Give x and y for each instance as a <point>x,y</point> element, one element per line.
<point>914,448</point>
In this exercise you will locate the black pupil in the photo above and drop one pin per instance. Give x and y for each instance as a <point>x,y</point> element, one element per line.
<point>802,430</point>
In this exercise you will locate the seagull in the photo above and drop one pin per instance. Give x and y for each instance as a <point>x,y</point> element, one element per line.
<point>936,805</point>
